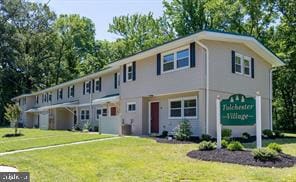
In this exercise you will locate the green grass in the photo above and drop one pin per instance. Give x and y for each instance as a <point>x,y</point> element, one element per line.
<point>137,159</point>
<point>38,138</point>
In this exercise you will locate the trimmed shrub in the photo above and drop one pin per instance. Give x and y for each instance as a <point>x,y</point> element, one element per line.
<point>226,133</point>
<point>183,131</point>
<point>246,135</point>
<point>86,126</point>
<point>164,133</point>
<point>274,146</point>
<point>96,129</point>
<point>278,134</point>
<point>268,133</point>
<point>224,143</point>
<point>205,137</point>
<point>234,146</point>
<point>206,145</point>
<point>264,154</point>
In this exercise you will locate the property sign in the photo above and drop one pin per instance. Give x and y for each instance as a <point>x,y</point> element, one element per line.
<point>238,110</point>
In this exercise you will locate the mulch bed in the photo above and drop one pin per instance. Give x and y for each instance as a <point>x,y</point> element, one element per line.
<point>241,157</point>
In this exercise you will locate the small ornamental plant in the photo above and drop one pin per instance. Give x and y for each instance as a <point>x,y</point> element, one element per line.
<point>224,143</point>
<point>206,145</point>
<point>226,133</point>
<point>274,146</point>
<point>246,135</point>
<point>235,146</point>
<point>183,131</point>
<point>264,154</point>
<point>268,133</point>
<point>278,134</point>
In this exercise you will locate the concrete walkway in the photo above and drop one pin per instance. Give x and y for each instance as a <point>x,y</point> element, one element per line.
<point>8,169</point>
<point>56,146</point>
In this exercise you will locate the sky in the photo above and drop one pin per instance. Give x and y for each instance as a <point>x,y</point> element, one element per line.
<point>101,12</point>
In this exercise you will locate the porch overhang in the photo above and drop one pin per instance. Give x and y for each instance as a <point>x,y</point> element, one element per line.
<point>107,99</point>
<point>62,105</point>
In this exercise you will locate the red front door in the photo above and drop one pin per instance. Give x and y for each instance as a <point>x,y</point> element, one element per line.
<point>154,116</point>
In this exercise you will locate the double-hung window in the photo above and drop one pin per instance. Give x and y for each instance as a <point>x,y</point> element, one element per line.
<point>60,92</point>
<point>104,112</point>
<point>176,60</point>
<point>131,107</point>
<point>84,114</point>
<point>183,108</point>
<point>242,64</point>
<point>129,72</point>
<point>99,113</point>
<point>72,91</point>
<point>97,82</point>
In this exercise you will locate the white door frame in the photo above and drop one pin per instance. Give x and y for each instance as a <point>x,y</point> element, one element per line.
<point>149,114</point>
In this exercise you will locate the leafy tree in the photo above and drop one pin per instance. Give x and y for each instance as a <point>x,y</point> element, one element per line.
<point>12,114</point>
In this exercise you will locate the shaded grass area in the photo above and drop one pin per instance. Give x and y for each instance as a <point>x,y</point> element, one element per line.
<point>136,159</point>
<point>38,138</point>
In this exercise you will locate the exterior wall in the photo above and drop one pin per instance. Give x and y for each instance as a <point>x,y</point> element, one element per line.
<point>225,83</point>
<point>63,119</point>
<point>165,123</point>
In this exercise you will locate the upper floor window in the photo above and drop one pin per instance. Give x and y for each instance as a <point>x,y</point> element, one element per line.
<point>37,99</point>
<point>129,73</point>
<point>98,84</point>
<point>242,64</point>
<point>72,91</point>
<point>49,97</point>
<point>60,94</point>
<point>175,60</point>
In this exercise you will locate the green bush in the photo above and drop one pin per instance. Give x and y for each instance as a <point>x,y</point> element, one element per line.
<point>274,146</point>
<point>246,135</point>
<point>164,133</point>
<point>235,145</point>
<point>226,133</point>
<point>206,145</point>
<point>268,133</point>
<point>86,126</point>
<point>206,137</point>
<point>278,134</point>
<point>224,143</point>
<point>184,130</point>
<point>264,154</point>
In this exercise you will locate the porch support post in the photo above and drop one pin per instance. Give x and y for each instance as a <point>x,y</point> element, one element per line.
<point>218,118</point>
<point>258,120</point>
<point>77,115</point>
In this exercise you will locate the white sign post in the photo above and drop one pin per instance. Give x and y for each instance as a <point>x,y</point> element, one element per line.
<point>258,120</point>
<point>218,118</point>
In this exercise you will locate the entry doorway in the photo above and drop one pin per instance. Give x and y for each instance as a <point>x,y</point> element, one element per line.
<point>154,117</point>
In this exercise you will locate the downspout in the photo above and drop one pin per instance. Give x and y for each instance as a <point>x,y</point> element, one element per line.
<point>207,84</point>
<point>270,97</point>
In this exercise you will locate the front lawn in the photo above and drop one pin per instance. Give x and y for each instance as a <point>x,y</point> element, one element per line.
<point>38,138</point>
<point>137,159</point>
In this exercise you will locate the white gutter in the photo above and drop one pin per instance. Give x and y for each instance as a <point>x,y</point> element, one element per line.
<point>270,98</point>
<point>207,84</point>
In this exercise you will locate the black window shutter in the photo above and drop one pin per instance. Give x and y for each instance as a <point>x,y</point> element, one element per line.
<point>83,88</point>
<point>89,87</point>
<point>192,54</point>
<point>68,92</point>
<point>93,86</point>
<point>233,61</point>
<point>158,59</point>
<point>124,73</point>
<point>57,94</point>
<point>252,68</point>
<point>115,80</point>
<point>134,70</point>
<point>100,86</point>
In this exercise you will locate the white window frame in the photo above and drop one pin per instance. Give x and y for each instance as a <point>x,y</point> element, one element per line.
<point>127,72</point>
<point>84,110</point>
<point>96,85</point>
<point>131,103</point>
<point>174,52</point>
<point>182,99</point>
<point>101,109</point>
<point>85,86</point>
<point>72,87</point>
<point>106,112</point>
<point>60,96</point>
<point>242,65</point>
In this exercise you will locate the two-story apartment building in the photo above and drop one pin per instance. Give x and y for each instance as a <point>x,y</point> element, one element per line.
<point>155,89</point>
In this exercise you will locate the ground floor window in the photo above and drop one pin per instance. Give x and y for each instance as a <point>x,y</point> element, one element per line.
<point>131,107</point>
<point>105,112</point>
<point>99,113</point>
<point>84,115</point>
<point>185,107</point>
